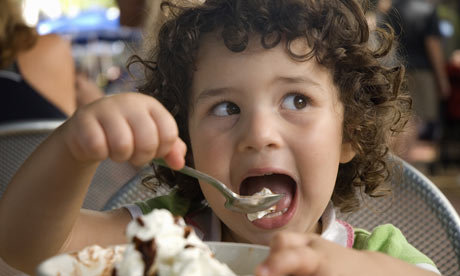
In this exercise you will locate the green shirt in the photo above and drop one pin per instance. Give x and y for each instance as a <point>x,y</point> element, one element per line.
<point>389,240</point>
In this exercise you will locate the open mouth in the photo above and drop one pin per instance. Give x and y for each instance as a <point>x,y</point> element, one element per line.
<point>278,184</point>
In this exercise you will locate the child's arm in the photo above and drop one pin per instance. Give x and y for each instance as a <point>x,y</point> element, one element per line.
<point>40,211</point>
<point>309,254</point>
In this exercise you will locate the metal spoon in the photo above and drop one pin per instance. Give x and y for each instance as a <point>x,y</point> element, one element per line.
<point>234,202</point>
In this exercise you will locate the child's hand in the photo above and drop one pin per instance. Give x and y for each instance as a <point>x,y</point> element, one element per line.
<point>308,254</point>
<point>125,127</point>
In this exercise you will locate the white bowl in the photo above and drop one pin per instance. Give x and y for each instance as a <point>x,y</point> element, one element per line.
<point>241,258</point>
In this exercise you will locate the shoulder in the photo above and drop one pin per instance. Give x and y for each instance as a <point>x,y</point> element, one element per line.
<point>50,51</point>
<point>389,240</point>
<point>49,68</point>
<point>53,42</point>
<point>50,54</point>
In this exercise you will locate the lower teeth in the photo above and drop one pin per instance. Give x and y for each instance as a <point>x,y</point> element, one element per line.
<point>275,214</point>
<point>270,214</point>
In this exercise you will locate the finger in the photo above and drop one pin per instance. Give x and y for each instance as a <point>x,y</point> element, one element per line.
<point>298,261</point>
<point>175,158</point>
<point>166,126</point>
<point>87,138</point>
<point>119,136</point>
<point>285,239</point>
<point>146,139</point>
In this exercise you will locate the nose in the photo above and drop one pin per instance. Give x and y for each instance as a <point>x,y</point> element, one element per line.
<point>259,131</point>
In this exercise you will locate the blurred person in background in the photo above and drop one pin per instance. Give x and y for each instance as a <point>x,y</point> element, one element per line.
<point>416,23</point>
<point>453,106</point>
<point>132,12</point>
<point>449,13</point>
<point>37,73</point>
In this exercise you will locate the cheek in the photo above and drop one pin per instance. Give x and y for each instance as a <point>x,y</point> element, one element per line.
<point>209,152</point>
<point>216,201</point>
<point>210,145</point>
<point>318,158</point>
<point>212,153</point>
<point>320,140</point>
<point>214,198</point>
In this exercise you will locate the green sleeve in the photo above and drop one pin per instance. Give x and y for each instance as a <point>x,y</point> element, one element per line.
<point>173,202</point>
<point>389,240</point>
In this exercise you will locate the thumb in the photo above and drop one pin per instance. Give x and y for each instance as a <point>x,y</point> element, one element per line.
<point>175,158</point>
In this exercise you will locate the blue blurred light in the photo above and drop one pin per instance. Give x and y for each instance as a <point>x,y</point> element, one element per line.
<point>446,28</point>
<point>89,20</point>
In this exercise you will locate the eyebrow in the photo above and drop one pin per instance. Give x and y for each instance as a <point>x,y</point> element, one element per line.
<point>214,92</point>
<point>304,80</point>
<point>296,79</point>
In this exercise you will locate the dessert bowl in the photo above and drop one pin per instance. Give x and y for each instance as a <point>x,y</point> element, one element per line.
<point>241,258</point>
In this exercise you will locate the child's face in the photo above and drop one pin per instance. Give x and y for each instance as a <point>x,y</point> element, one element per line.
<point>259,113</point>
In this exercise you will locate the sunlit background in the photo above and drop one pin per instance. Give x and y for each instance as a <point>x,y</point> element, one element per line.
<point>34,11</point>
<point>100,45</point>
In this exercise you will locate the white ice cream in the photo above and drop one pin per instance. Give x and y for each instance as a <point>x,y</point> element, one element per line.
<point>263,213</point>
<point>177,249</point>
<point>164,242</point>
<point>91,261</point>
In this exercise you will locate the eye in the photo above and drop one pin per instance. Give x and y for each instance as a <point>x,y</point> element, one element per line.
<point>294,101</point>
<point>225,109</point>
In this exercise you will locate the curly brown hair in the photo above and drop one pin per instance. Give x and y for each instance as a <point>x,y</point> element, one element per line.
<point>15,35</point>
<point>337,32</point>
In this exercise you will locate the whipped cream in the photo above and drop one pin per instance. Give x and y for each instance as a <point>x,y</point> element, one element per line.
<point>90,261</point>
<point>263,213</point>
<point>163,245</point>
<point>159,245</point>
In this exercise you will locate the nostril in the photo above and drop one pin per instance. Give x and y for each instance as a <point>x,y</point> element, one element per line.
<point>259,136</point>
<point>258,147</point>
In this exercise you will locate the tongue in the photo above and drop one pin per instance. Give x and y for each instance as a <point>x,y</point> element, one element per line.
<point>277,183</point>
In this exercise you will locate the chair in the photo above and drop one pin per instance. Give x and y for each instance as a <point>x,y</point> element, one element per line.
<point>19,139</point>
<point>423,214</point>
<point>416,206</point>
<point>134,191</point>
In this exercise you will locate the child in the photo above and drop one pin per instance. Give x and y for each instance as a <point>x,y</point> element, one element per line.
<point>263,93</point>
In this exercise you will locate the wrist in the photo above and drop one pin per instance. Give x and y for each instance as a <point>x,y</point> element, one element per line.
<point>69,150</point>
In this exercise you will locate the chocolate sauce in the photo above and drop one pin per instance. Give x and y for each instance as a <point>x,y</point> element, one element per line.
<point>148,250</point>
<point>187,231</point>
<point>140,221</point>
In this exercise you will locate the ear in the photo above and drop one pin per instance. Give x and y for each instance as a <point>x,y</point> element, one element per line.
<point>347,153</point>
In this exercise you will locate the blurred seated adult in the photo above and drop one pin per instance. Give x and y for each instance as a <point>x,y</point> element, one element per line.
<point>37,73</point>
<point>132,12</point>
<point>453,103</point>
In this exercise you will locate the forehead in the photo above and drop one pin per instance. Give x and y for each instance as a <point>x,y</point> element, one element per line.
<point>217,66</point>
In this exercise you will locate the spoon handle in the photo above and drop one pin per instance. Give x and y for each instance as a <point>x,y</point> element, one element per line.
<point>199,175</point>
